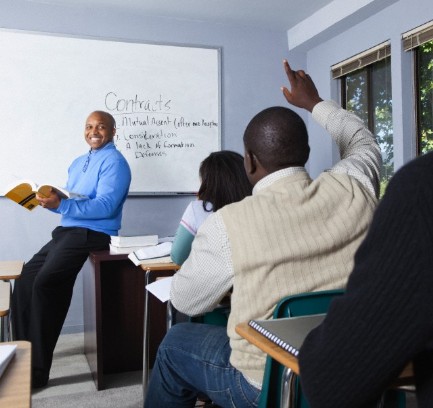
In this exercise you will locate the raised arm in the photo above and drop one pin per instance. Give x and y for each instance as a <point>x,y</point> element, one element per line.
<point>359,151</point>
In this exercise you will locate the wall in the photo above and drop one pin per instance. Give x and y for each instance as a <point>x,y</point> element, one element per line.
<point>324,51</point>
<point>251,80</point>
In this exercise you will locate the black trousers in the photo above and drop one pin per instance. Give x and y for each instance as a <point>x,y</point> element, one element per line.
<point>42,296</point>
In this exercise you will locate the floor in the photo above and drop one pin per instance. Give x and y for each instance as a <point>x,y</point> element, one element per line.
<point>71,384</point>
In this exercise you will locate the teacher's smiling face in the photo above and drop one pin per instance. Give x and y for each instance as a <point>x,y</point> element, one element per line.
<point>99,130</point>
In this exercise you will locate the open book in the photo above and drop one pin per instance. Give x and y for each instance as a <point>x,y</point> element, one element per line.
<point>152,254</point>
<point>23,192</point>
<point>288,332</point>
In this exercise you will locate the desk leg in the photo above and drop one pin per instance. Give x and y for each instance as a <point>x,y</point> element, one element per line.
<point>146,336</point>
<point>92,322</point>
<point>11,332</point>
<point>151,343</point>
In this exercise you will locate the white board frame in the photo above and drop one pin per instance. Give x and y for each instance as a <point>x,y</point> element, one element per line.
<point>41,130</point>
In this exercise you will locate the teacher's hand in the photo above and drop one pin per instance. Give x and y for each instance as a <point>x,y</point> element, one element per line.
<point>50,202</point>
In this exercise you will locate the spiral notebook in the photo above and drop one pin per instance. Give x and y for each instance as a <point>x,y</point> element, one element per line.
<point>288,332</point>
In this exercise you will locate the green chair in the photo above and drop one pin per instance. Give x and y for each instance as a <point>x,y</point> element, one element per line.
<point>218,317</point>
<point>297,305</point>
<point>281,388</point>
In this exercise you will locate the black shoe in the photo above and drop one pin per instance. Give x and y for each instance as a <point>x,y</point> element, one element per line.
<point>39,378</point>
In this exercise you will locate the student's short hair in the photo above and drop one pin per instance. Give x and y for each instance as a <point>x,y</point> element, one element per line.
<point>223,179</point>
<point>278,137</point>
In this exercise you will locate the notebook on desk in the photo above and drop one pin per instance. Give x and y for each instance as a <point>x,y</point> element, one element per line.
<point>288,332</point>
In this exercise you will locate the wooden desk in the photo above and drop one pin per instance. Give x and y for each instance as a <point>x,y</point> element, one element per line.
<point>5,296</point>
<point>15,383</point>
<point>288,360</point>
<point>10,269</point>
<point>113,301</point>
<point>269,347</point>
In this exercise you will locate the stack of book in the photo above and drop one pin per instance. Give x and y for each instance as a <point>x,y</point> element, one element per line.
<point>126,245</point>
<point>153,254</point>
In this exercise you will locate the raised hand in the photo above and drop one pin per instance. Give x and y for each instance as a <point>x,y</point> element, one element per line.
<point>303,92</point>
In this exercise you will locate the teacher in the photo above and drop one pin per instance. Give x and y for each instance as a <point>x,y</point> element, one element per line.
<point>42,295</point>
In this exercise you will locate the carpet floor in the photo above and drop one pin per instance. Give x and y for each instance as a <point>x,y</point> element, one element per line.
<point>71,384</point>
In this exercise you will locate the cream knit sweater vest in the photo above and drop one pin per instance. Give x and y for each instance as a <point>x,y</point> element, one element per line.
<point>294,236</point>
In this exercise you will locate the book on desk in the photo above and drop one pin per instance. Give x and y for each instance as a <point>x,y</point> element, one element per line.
<point>153,254</point>
<point>122,241</point>
<point>287,332</point>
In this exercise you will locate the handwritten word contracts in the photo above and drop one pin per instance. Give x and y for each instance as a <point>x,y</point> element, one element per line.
<point>151,129</point>
<point>136,104</point>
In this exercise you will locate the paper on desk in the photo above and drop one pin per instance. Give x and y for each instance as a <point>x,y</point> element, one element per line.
<point>161,288</point>
<point>7,351</point>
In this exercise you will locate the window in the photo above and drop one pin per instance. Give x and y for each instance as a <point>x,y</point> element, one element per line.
<point>424,89</point>
<point>420,40</point>
<point>366,91</point>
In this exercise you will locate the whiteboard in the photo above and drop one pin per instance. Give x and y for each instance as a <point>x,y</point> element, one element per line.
<point>165,99</point>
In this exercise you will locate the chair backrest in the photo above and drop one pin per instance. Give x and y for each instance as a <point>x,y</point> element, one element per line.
<point>305,304</point>
<point>302,304</point>
<point>218,317</point>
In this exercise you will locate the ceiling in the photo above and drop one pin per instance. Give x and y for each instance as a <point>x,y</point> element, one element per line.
<point>267,14</point>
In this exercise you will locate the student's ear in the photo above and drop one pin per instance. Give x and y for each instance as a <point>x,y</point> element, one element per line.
<point>250,162</point>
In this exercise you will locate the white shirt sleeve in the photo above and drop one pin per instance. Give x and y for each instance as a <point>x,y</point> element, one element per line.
<point>359,151</point>
<point>207,275</point>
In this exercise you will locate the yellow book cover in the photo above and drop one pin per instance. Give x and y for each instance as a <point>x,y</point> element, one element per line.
<point>23,192</point>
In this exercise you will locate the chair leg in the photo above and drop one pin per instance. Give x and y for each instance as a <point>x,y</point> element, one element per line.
<point>5,331</point>
<point>11,332</point>
<point>2,329</point>
<point>287,389</point>
<point>171,313</point>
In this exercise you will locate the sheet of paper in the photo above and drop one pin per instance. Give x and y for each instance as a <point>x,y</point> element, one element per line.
<point>160,288</point>
<point>7,351</point>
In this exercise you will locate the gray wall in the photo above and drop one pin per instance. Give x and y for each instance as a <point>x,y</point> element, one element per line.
<point>386,24</point>
<point>251,80</point>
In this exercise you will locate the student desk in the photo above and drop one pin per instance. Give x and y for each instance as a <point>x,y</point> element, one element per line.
<point>9,270</point>
<point>113,300</point>
<point>291,362</point>
<point>269,347</point>
<point>15,389</point>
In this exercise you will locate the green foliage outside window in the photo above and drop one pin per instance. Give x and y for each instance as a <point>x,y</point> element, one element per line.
<point>425,97</point>
<point>368,95</point>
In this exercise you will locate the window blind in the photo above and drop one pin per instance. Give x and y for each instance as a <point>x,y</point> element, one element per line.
<point>418,36</point>
<point>361,60</point>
